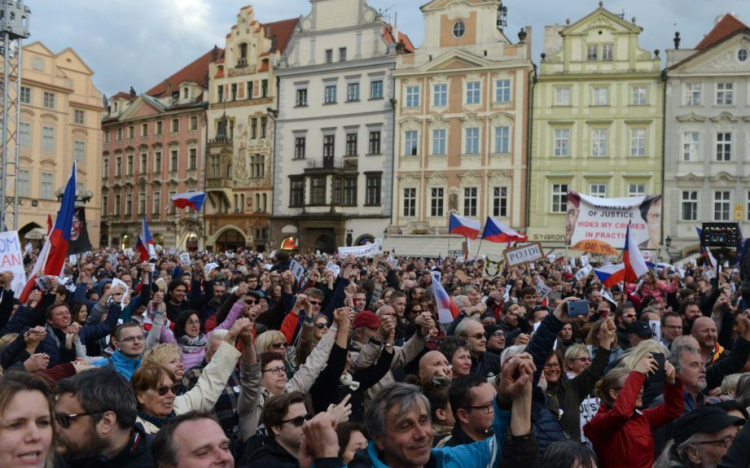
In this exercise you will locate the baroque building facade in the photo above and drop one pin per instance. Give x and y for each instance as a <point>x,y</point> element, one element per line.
<point>707,143</point>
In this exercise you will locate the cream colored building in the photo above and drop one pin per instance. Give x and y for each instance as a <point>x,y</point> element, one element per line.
<point>60,121</point>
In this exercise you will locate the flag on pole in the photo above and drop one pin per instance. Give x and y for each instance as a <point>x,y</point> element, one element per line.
<point>610,275</point>
<point>145,244</point>
<point>193,200</point>
<point>463,226</point>
<point>442,299</point>
<point>635,264</point>
<point>495,231</point>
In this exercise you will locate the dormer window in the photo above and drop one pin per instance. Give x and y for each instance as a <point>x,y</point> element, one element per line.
<point>116,107</point>
<point>459,29</point>
<point>185,93</point>
<point>243,51</point>
<point>742,55</point>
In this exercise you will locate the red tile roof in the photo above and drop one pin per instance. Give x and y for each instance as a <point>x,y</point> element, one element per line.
<point>727,26</point>
<point>389,39</point>
<point>195,72</point>
<point>121,95</point>
<point>282,31</point>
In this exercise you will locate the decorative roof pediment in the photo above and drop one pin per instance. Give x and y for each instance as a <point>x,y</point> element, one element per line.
<point>691,117</point>
<point>724,177</point>
<point>437,179</point>
<point>600,18</point>
<point>456,59</point>
<point>143,106</point>
<point>716,59</point>
<point>469,178</point>
<point>726,117</point>
<point>500,116</point>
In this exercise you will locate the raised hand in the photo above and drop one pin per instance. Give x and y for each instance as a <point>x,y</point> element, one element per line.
<point>647,365</point>
<point>342,411</point>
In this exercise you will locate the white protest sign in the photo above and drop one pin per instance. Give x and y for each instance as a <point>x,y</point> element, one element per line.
<point>589,408</point>
<point>128,252</point>
<point>506,295</point>
<point>584,260</point>
<point>119,282</point>
<point>272,254</point>
<point>369,250</point>
<point>542,289</point>
<point>606,295</point>
<point>268,266</point>
<point>572,261</point>
<point>185,258</point>
<point>333,268</point>
<point>209,268</point>
<point>113,260</point>
<point>11,259</point>
<point>528,253</point>
<point>297,270</point>
<point>73,259</point>
<point>437,275</point>
<point>28,248</point>
<point>552,257</point>
<point>646,255</point>
<point>583,272</point>
<point>655,329</point>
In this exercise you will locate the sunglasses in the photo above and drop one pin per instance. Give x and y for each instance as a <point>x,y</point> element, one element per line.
<point>250,301</point>
<point>298,421</point>
<point>162,391</point>
<point>321,326</point>
<point>64,419</point>
<point>315,303</point>
<point>279,344</point>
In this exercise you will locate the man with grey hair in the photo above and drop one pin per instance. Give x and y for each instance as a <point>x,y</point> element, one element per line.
<point>482,362</point>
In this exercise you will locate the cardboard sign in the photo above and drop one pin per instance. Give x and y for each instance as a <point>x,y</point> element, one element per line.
<point>506,295</point>
<point>589,408</point>
<point>583,272</point>
<point>552,257</point>
<point>542,289</point>
<point>369,250</point>
<point>528,253</point>
<point>655,329</point>
<point>584,260</point>
<point>119,282</point>
<point>297,270</point>
<point>185,258</point>
<point>11,259</point>
<point>73,259</point>
<point>209,268</point>
<point>333,268</point>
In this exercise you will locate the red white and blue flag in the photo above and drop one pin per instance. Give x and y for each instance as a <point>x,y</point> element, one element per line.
<point>442,299</point>
<point>193,200</point>
<point>495,231</point>
<point>635,264</point>
<point>611,275</point>
<point>51,260</point>
<point>464,226</point>
<point>145,244</point>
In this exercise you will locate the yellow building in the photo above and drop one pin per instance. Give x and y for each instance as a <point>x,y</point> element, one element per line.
<point>597,119</point>
<point>60,121</point>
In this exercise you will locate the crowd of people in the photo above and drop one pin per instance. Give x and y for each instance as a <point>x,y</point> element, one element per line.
<point>240,359</point>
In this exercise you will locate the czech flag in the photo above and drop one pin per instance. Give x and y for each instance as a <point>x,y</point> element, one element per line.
<point>442,299</point>
<point>635,264</point>
<point>463,226</point>
<point>51,260</point>
<point>145,244</point>
<point>495,231</point>
<point>193,200</point>
<point>610,275</point>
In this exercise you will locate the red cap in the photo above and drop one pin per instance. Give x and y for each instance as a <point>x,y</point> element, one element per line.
<point>366,319</point>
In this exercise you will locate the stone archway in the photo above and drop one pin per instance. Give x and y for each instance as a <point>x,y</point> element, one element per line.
<point>325,244</point>
<point>231,239</point>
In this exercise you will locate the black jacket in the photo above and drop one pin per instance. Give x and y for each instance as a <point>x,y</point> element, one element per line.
<point>137,454</point>
<point>270,454</point>
<point>487,364</point>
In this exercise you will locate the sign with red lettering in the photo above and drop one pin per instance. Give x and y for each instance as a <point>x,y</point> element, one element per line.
<point>11,259</point>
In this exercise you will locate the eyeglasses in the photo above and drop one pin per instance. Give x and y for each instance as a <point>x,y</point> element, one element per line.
<point>314,303</point>
<point>298,421</point>
<point>276,370</point>
<point>279,344</point>
<point>133,339</point>
<point>250,301</point>
<point>489,408</point>
<point>321,326</point>
<point>162,391</point>
<point>628,315</point>
<point>64,419</point>
<point>476,336</point>
<point>726,442</point>
<point>193,322</point>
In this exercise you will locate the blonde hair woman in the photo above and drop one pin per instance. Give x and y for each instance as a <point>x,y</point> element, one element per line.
<point>577,359</point>
<point>167,355</point>
<point>273,341</point>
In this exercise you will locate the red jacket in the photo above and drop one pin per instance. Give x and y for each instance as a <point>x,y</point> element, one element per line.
<point>621,435</point>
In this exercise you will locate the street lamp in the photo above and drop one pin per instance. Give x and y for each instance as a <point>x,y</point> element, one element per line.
<point>668,243</point>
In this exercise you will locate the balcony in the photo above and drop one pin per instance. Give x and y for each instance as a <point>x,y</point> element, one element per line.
<point>219,183</point>
<point>325,165</point>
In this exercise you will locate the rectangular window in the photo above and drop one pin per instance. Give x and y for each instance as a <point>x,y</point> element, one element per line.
<point>608,53</point>
<point>234,91</point>
<point>131,132</point>
<point>562,142</point>
<point>374,145</point>
<point>79,117</point>
<point>502,91</point>
<point>598,190</point>
<point>724,94</point>
<point>473,92</point>
<point>376,89</point>
<point>142,203</point>
<point>318,191</point>
<point>301,97</point>
<point>372,190</point>
<point>352,92</point>
<point>330,94</point>
<point>79,151</point>
<point>175,125</point>
<point>411,142</point>
<point>436,202</point>
<point>172,207</point>
<point>144,130</point>
<point>502,139</point>
<point>24,183</point>
<point>192,159</point>
<point>342,54</point>
<point>592,53</point>
<point>193,123</point>
<point>599,142</point>
<point>412,96</point>
<point>693,94</point>
<point>329,146</point>
<point>119,134</point>
<point>637,142</point>
<point>214,163</point>
<point>562,96</point>
<point>351,144</point>
<point>470,201</point>
<point>129,165</point>
<point>47,186</point>
<point>689,205</point>
<point>299,147</point>
<point>500,202</point>
<point>254,128</point>
<point>24,134</point>
<point>438,141</point>
<point>49,100</point>
<point>636,190</point>
<point>118,166</point>
<point>337,183</point>
<point>157,162</point>
<point>639,96</point>
<point>350,191</point>
<point>25,95</point>
<point>297,193</point>
<point>263,88</point>
<point>105,168</point>
<point>440,95</point>
<point>329,55</point>
<point>690,146</point>
<point>722,205</point>
<point>263,127</point>
<point>48,138</point>
<point>128,204</point>
<point>601,96</point>
<point>410,202</point>
<point>118,201</point>
<point>157,202</point>
<point>559,198</point>
<point>143,168</point>
<point>220,93</point>
<point>106,136</point>
<point>250,90</point>
<point>724,146</point>
<point>159,127</point>
<point>173,160</point>
<point>472,140</point>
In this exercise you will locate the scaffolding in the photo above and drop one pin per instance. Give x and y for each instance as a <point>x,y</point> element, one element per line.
<point>14,27</point>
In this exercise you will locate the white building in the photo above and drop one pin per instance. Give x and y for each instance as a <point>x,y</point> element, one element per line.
<point>334,131</point>
<point>707,143</point>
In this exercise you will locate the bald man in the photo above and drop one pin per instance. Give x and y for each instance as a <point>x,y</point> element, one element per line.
<point>705,332</point>
<point>434,365</point>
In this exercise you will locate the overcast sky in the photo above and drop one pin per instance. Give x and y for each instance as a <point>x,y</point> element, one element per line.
<point>141,42</point>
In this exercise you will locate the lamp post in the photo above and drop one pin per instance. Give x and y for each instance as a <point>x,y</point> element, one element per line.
<point>668,243</point>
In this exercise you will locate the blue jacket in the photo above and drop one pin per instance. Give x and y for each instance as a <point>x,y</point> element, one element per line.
<point>124,365</point>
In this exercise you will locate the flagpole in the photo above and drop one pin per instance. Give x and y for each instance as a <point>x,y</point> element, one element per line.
<point>479,248</point>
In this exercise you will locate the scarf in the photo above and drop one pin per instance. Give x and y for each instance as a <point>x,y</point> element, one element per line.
<point>158,422</point>
<point>192,345</point>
